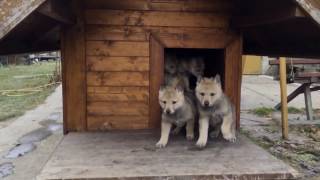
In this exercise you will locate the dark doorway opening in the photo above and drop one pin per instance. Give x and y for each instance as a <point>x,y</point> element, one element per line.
<point>213,61</point>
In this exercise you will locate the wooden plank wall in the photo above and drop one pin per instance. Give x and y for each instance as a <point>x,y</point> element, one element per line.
<point>117,51</point>
<point>74,73</point>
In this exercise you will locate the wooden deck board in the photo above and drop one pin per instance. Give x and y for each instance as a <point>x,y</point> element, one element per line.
<point>131,155</point>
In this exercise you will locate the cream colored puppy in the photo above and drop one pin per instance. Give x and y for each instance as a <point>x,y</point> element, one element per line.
<point>177,109</point>
<point>213,104</point>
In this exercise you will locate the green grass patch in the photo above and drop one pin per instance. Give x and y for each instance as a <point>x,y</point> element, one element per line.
<point>262,111</point>
<point>23,87</point>
<point>294,110</point>
<point>266,111</point>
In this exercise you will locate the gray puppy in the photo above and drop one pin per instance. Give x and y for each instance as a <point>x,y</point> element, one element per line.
<point>214,109</point>
<point>177,109</point>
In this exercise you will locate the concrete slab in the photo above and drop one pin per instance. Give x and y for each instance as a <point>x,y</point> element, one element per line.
<point>263,91</point>
<point>132,155</point>
<point>29,162</point>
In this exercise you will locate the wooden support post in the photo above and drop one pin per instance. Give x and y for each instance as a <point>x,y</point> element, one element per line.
<point>284,104</point>
<point>307,99</point>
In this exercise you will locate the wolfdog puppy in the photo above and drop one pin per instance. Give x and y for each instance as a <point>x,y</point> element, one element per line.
<point>177,109</point>
<point>173,77</point>
<point>214,106</point>
<point>192,66</point>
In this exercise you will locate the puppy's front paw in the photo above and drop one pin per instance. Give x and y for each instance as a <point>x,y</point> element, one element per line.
<point>230,138</point>
<point>190,137</point>
<point>201,143</point>
<point>161,144</point>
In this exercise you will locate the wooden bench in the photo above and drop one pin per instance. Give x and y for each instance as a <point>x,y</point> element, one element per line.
<point>306,79</point>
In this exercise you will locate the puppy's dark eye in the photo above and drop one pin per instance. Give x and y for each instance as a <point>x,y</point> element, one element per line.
<point>212,94</point>
<point>202,94</point>
<point>164,102</point>
<point>174,102</point>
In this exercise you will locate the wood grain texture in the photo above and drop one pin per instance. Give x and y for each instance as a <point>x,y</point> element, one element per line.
<point>162,5</point>
<point>133,96</point>
<point>156,79</point>
<point>116,48</point>
<point>156,18</point>
<point>118,108</point>
<point>74,76</point>
<point>124,33</point>
<point>233,73</point>
<point>117,78</point>
<point>115,89</point>
<point>103,63</point>
<point>194,40</point>
<point>118,122</point>
<point>175,37</point>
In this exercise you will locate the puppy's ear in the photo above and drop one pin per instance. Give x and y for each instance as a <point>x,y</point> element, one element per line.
<point>217,79</point>
<point>162,87</point>
<point>199,79</point>
<point>179,88</point>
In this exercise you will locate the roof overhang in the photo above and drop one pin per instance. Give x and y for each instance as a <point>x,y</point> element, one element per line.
<point>279,28</point>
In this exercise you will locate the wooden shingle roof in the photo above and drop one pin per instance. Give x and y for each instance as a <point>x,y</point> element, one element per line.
<point>312,8</point>
<point>12,12</point>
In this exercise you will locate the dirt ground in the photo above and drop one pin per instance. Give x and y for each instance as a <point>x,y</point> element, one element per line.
<point>301,150</point>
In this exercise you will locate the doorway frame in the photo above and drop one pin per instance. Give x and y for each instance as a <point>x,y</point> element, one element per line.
<point>231,43</point>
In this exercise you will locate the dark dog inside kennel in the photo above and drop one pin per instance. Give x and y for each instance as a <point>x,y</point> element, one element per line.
<point>213,61</point>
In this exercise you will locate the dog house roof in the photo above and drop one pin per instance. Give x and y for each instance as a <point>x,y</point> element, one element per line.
<point>269,27</point>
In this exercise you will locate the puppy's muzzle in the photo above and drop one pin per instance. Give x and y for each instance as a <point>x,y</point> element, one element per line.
<point>167,111</point>
<point>206,103</point>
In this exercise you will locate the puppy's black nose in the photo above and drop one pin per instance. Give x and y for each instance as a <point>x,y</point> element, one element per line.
<point>167,111</point>
<point>206,103</point>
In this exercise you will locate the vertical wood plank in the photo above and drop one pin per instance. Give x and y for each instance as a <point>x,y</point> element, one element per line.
<point>284,104</point>
<point>233,74</point>
<point>156,79</point>
<point>74,72</point>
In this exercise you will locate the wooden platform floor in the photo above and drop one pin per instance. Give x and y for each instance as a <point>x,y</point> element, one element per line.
<point>132,155</point>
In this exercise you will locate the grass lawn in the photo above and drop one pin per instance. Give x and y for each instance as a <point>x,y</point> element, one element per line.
<point>27,77</point>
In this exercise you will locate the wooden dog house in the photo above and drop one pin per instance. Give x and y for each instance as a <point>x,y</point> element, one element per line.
<point>122,47</point>
<point>113,51</point>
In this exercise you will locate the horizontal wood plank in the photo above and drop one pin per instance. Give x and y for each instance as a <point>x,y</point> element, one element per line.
<point>141,95</point>
<point>115,89</point>
<point>118,108</point>
<point>118,78</point>
<point>117,122</point>
<point>175,37</point>
<point>115,48</point>
<point>194,40</point>
<point>124,33</point>
<point>156,18</point>
<point>103,63</point>
<point>162,5</point>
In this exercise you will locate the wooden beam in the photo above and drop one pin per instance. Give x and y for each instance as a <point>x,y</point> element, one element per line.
<point>57,10</point>
<point>74,76</point>
<point>233,74</point>
<point>274,17</point>
<point>156,79</point>
<point>294,94</point>
<point>284,104</point>
<point>295,62</point>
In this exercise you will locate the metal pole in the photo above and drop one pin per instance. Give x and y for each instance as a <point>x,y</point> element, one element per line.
<point>284,104</point>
